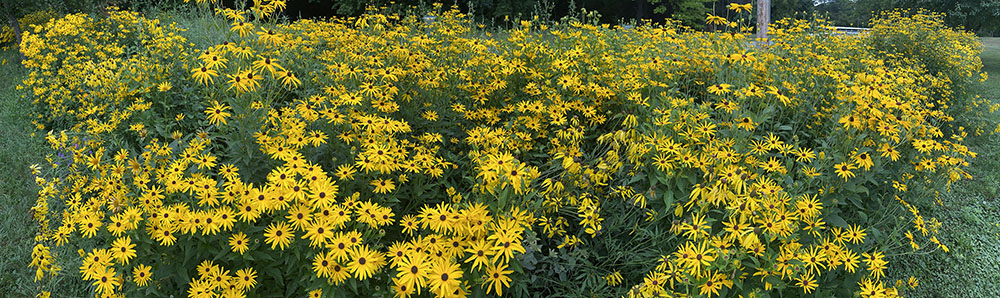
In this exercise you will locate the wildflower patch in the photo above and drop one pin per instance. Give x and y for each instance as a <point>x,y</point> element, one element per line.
<point>402,155</point>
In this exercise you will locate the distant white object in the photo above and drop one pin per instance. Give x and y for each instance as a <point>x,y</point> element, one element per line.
<point>849,30</point>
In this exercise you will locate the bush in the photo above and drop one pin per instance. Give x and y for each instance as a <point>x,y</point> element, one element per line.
<point>398,155</point>
<point>920,40</point>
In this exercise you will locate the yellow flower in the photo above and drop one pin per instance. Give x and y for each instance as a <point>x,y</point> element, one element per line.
<point>164,86</point>
<point>855,234</point>
<point>123,250</point>
<point>864,160</point>
<point>740,7</point>
<point>445,277</point>
<point>807,282</point>
<point>383,185</point>
<point>242,28</point>
<point>322,263</point>
<point>719,89</point>
<point>496,279</point>
<point>238,243</point>
<point>141,275</point>
<point>430,115</point>
<point>204,75</point>
<point>266,63</point>
<point>876,265</point>
<point>278,235</point>
<point>716,20</point>
<point>813,259</point>
<point>288,79</point>
<point>413,271</point>
<point>712,285</point>
<point>844,170</point>
<point>106,281</point>
<point>365,262</point>
<point>480,252</point>
<point>246,278</point>
<point>217,113</point>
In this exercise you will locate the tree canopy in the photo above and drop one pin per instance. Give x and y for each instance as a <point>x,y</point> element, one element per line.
<point>979,16</point>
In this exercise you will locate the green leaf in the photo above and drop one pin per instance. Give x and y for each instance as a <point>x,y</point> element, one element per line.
<point>835,220</point>
<point>663,179</point>
<point>637,177</point>
<point>862,189</point>
<point>274,272</point>
<point>668,199</point>
<point>774,280</point>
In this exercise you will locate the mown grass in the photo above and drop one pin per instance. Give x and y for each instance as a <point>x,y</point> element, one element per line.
<point>991,64</point>
<point>19,149</point>
<point>970,217</point>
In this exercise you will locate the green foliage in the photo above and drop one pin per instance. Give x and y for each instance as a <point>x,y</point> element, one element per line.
<point>974,15</point>
<point>690,13</point>
<point>793,9</point>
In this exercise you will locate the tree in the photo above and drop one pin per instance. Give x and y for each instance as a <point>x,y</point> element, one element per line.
<point>975,15</point>
<point>781,9</point>
<point>689,12</point>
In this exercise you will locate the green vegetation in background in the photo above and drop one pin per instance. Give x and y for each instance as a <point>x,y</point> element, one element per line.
<point>978,16</point>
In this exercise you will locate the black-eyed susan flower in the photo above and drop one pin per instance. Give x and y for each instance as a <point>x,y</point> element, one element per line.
<point>123,250</point>
<point>413,270</point>
<point>844,170</point>
<point>246,279</point>
<point>807,281</point>
<point>278,235</point>
<point>383,186</point>
<point>322,263</point>
<point>364,262</point>
<point>141,275</point>
<point>238,243</point>
<point>445,277</point>
<point>497,279</point>
<point>106,281</point>
<point>217,113</point>
<point>479,253</point>
<point>288,79</point>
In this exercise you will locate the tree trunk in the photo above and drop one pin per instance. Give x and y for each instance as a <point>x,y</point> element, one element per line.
<point>17,33</point>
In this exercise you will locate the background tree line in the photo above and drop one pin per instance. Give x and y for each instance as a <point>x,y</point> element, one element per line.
<point>980,16</point>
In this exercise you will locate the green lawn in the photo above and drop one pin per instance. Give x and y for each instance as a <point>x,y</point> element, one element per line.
<point>970,218</point>
<point>991,64</point>
<point>19,149</point>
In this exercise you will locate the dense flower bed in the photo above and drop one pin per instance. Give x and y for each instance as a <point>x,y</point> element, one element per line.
<point>400,155</point>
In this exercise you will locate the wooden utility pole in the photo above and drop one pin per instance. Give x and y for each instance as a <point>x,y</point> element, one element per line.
<point>763,19</point>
